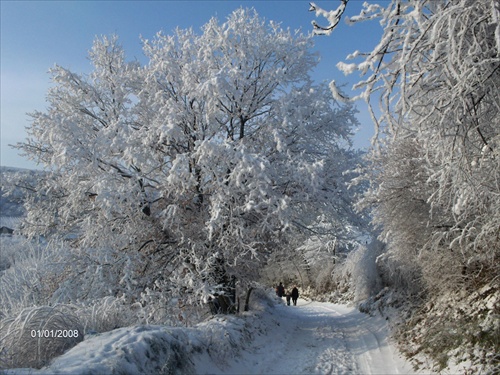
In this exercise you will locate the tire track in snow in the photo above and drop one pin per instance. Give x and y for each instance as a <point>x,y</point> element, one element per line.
<point>366,337</point>
<point>317,338</point>
<point>332,355</point>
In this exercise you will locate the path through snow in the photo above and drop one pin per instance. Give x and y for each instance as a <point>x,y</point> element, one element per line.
<point>311,338</point>
<point>316,338</point>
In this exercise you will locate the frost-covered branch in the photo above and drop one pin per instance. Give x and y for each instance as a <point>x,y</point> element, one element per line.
<point>333,17</point>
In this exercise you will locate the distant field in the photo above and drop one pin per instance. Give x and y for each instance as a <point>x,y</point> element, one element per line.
<point>10,221</point>
<point>11,209</point>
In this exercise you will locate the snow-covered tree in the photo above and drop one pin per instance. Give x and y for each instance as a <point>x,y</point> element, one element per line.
<point>437,72</point>
<point>435,168</point>
<point>194,167</point>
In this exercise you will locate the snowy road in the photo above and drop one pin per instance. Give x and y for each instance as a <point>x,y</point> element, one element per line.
<point>317,338</point>
<point>311,338</point>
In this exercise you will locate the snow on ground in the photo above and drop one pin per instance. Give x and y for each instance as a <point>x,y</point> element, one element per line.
<point>311,338</point>
<point>317,338</point>
<point>11,222</point>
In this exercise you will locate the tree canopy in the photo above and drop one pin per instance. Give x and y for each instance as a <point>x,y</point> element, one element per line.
<point>197,166</point>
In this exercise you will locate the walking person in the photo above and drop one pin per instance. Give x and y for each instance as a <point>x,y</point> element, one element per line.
<point>288,297</point>
<point>280,290</point>
<point>295,295</point>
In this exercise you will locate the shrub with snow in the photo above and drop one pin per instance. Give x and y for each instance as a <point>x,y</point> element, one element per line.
<point>37,335</point>
<point>454,329</point>
<point>34,273</point>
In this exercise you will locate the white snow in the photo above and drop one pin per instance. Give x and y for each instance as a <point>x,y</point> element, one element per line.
<point>317,338</point>
<point>312,338</point>
<point>346,68</point>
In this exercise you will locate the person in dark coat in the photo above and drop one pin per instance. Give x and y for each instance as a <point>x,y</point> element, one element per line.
<point>295,295</point>
<point>280,290</point>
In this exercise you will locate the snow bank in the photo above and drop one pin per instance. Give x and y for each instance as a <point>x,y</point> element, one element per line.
<point>153,349</point>
<point>131,350</point>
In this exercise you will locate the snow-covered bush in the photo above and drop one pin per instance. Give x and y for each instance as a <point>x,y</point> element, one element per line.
<point>355,276</point>
<point>362,265</point>
<point>36,270</point>
<point>106,314</point>
<point>9,245</point>
<point>42,273</point>
<point>324,281</point>
<point>131,350</point>
<point>37,335</point>
<point>158,305</point>
<point>221,343</point>
<point>98,284</point>
<point>48,273</point>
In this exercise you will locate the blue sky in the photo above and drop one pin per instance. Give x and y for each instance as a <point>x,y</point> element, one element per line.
<point>35,35</point>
